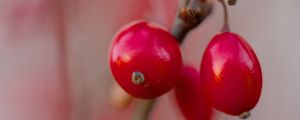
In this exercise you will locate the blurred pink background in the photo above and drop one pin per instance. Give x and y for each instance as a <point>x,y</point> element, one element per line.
<point>53,55</point>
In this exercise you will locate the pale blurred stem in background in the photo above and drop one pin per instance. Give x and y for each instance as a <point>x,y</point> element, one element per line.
<point>190,15</point>
<point>143,109</point>
<point>62,54</point>
<point>62,43</point>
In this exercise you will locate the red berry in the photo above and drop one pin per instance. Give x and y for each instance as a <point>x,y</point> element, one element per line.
<point>231,74</point>
<point>190,95</point>
<point>145,60</point>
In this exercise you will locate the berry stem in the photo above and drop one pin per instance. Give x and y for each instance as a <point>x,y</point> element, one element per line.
<point>226,21</point>
<point>143,109</point>
<point>190,16</point>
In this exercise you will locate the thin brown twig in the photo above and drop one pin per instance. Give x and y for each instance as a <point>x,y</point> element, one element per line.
<point>189,17</point>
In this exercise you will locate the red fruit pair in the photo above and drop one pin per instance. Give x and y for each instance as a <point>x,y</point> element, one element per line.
<point>231,79</point>
<point>145,60</point>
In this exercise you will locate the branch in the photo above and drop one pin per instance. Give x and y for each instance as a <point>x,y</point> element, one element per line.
<point>189,17</point>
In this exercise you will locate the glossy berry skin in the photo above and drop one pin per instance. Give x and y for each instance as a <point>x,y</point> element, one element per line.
<point>231,74</point>
<point>190,96</point>
<point>147,51</point>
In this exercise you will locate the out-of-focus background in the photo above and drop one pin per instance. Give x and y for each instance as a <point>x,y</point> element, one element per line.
<point>53,55</point>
